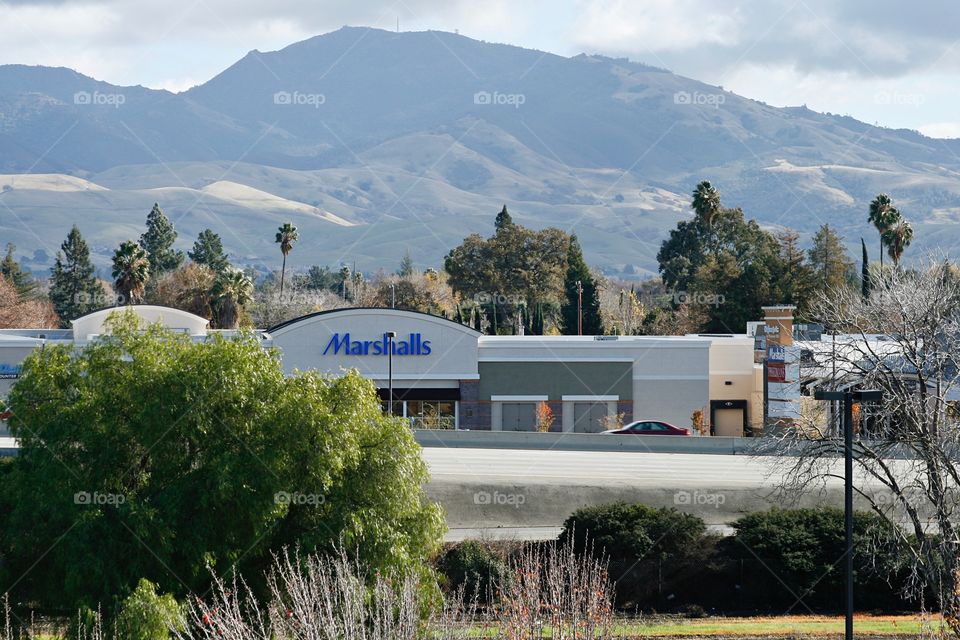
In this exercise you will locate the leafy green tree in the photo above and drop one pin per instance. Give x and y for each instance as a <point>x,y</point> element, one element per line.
<point>131,271</point>
<point>208,251</point>
<point>883,216</point>
<point>578,277</point>
<point>231,291</point>
<point>832,267</point>
<point>732,265</point>
<point>515,267</point>
<point>897,238</point>
<point>287,236</point>
<point>13,271</point>
<point>158,243</point>
<point>151,456</point>
<point>74,290</point>
<point>503,220</point>
<point>864,271</point>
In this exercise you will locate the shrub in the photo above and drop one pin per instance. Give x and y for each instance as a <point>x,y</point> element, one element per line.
<point>795,557</point>
<point>146,615</point>
<point>657,555</point>
<point>476,568</point>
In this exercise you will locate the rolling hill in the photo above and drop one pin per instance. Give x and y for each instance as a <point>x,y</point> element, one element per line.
<point>375,143</point>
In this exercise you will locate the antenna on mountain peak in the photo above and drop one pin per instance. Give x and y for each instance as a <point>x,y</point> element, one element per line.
<point>398,24</point>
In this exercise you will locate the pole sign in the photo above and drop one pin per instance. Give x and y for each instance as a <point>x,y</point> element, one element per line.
<point>343,344</point>
<point>776,372</point>
<point>776,353</point>
<point>9,371</point>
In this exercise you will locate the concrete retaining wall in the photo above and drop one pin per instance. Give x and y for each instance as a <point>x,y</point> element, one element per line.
<point>584,442</point>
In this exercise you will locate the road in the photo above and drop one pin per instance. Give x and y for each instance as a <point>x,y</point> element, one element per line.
<point>528,493</point>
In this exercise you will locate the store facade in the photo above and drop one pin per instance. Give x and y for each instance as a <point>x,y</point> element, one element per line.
<point>447,375</point>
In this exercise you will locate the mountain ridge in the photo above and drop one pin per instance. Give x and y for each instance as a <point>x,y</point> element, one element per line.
<point>431,132</point>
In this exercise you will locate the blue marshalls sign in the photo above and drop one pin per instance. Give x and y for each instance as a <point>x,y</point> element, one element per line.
<point>343,344</point>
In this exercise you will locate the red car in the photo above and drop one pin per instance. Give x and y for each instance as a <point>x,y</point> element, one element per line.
<point>650,428</point>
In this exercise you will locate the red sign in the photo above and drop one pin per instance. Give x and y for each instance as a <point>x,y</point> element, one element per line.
<point>776,372</point>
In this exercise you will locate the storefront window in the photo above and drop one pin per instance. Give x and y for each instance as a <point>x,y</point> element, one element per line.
<point>427,414</point>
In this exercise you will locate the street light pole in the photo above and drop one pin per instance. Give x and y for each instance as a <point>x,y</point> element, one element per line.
<point>390,336</point>
<point>848,504</point>
<point>848,398</point>
<point>579,308</point>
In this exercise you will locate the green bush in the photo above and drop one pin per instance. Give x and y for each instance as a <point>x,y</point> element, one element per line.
<point>656,555</point>
<point>795,557</point>
<point>146,615</point>
<point>475,567</point>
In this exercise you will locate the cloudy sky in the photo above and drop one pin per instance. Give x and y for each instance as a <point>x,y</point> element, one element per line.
<point>888,62</point>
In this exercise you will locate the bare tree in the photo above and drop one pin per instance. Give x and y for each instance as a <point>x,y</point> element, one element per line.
<point>905,341</point>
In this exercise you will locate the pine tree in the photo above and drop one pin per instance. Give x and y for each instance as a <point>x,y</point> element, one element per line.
<point>208,251</point>
<point>864,271</point>
<point>832,267</point>
<point>158,243</point>
<point>22,281</point>
<point>74,290</point>
<point>579,272</point>
<point>503,220</point>
<point>406,266</point>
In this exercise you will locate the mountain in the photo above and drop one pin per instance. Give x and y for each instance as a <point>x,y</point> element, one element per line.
<point>375,143</point>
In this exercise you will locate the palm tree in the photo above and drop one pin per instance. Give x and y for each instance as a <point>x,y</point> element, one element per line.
<point>706,202</point>
<point>286,237</point>
<point>883,216</point>
<point>231,291</point>
<point>131,270</point>
<point>897,238</point>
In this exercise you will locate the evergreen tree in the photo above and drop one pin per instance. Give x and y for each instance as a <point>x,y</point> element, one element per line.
<point>503,219</point>
<point>832,267</point>
<point>208,251</point>
<point>538,328</point>
<point>22,281</point>
<point>579,272</point>
<point>406,266</point>
<point>796,278</point>
<point>864,271</point>
<point>158,241</point>
<point>74,290</point>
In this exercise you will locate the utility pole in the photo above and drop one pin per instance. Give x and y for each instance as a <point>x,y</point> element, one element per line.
<point>579,308</point>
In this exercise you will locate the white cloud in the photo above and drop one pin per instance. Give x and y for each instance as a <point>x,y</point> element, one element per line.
<point>941,129</point>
